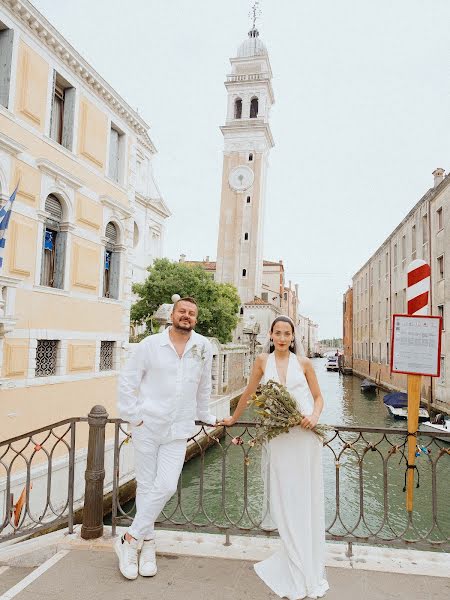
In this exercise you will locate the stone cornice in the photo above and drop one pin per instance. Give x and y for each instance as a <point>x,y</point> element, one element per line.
<point>250,125</point>
<point>38,26</point>
<point>156,204</point>
<point>54,170</point>
<point>116,206</point>
<point>11,146</point>
<point>9,281</point>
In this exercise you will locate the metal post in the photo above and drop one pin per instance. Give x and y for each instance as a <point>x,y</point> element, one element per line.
<point>94,475</point>
<point>71,475</point>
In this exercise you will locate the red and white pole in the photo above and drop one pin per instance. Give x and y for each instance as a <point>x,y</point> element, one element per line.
<point>417,295</point>
<point>418,290</point>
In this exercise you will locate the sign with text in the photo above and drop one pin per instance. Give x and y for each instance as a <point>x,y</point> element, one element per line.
<point>416,345</point>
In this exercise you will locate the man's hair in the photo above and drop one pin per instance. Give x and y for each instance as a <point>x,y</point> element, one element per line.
<point>186,299</point>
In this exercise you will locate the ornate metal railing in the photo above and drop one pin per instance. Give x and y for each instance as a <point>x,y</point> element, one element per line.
<point>364,473</point>
<point>37,480</point>
<point>44,478</point>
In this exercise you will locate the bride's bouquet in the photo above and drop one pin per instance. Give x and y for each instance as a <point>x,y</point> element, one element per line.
<point>278,412</point>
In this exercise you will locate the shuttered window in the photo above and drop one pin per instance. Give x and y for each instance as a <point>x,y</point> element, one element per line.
<point>6,49</point>
<point>62,112</point>
<point>53,245</point>
<point>111,263</point>
<point>114,154</point>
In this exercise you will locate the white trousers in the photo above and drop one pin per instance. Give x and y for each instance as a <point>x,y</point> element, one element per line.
<point>157,467</point>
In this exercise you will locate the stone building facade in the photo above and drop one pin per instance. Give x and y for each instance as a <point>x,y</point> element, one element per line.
<point>347,327</point>
<point>379,291</point>
<point>87,220</point>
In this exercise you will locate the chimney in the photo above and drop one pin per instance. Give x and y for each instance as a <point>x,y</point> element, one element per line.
<point>182,257</point>
<point>438,175</point>
<point>296,290</point>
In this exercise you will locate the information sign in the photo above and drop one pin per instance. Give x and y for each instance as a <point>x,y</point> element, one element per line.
<point>416,345</point>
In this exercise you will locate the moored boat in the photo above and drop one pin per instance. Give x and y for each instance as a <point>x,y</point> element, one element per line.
<point>368,386</point>
<point>440,424</point>
<point>397,405</point>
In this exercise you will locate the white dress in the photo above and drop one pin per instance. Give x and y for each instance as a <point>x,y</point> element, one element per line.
<point>293,483</point>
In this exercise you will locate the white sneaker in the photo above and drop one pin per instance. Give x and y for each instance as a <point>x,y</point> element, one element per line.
<point>127,553</point>
<point>147,559</point>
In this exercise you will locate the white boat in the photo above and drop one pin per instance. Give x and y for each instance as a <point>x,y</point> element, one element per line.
<point>402,413</point>
<point>332,363</point>
<point>442,426</point>
<point>397,405</point>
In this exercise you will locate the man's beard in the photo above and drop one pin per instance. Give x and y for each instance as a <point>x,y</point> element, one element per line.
<point>183,326</point>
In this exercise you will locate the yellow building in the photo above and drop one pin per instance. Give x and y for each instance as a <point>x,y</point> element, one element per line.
<point>87,221</point>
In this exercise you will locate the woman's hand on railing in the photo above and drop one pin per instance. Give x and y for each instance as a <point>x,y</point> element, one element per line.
<point>228,421</point>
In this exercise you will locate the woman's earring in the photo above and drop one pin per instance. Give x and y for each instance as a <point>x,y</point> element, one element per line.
<point>271,346</point>
<point>292,344</point>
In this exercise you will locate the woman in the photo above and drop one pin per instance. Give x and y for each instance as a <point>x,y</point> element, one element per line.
<point>292,472</point>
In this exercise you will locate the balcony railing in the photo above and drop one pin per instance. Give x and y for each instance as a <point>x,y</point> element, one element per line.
<point>44,479</point>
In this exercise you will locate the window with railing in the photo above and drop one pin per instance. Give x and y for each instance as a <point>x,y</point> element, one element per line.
<point>46,355</point>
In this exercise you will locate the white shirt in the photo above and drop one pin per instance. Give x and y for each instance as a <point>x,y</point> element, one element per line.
<point>165,391</point>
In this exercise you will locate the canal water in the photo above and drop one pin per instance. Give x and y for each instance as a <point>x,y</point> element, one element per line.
<point>235,470</point>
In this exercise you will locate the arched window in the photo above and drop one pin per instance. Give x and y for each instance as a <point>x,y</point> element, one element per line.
<point>253,108</point>
<point>241,310</point>
<point>244,272</point>
<point>246,236</point>
<point>248,199</point>
<point>238,108</point>
<point>250,157</point>
<point>53,245</point>
<point>112,263</point>
<point>135,235</point>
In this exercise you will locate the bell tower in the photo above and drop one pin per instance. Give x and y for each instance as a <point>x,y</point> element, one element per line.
<point>247,143</point>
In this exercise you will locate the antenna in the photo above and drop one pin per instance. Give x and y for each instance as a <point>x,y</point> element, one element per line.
<point>255,12</point>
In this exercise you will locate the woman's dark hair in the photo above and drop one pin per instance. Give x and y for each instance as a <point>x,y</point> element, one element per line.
<point>282,319</point>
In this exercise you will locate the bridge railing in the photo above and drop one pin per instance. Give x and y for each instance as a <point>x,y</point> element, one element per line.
<point>221,489</point>
<point>46,475</point>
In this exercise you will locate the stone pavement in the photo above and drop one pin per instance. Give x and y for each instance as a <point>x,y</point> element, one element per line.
<point>93,575</point>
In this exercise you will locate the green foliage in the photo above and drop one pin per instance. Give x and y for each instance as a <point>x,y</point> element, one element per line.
<point>218,303</point>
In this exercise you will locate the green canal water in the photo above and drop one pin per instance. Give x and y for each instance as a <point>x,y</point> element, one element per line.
<point>231,486</point>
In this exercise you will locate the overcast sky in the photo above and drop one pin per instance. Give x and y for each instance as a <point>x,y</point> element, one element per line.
<point>361,118</point>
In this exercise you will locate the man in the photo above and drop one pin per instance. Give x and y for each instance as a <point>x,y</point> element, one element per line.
<point>164,387</point>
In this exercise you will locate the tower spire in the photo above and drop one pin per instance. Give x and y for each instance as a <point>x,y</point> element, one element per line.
<point>255,12</point>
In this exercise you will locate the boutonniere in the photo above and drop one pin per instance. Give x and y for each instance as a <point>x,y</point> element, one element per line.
<point>198,354</point>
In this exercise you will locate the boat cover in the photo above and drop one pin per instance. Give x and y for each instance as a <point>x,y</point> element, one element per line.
<point>396,399</point>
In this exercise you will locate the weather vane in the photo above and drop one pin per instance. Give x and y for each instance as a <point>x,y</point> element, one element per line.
<point>255,12</point>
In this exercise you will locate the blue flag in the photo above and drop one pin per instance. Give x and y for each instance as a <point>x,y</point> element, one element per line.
<point>5,215</point>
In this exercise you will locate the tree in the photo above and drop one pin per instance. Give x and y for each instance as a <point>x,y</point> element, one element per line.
<point>218,303</point>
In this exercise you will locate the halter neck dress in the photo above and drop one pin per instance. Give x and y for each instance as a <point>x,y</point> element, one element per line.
<point>291,467</point>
